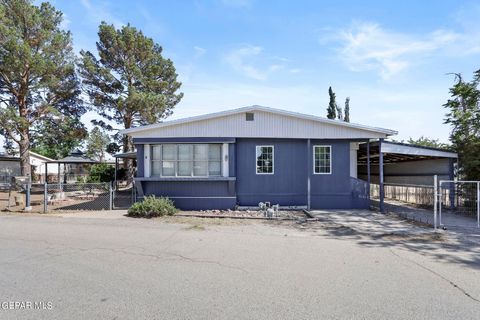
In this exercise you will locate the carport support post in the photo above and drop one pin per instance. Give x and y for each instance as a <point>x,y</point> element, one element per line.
<point>435,199</point>
<point>309,167</point>
<point>368,168</point>
<point>45,196</point>
<point>380,176</point>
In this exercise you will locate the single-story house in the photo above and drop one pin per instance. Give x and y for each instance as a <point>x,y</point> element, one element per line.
<point>253,154</point>
<point>10,166</point>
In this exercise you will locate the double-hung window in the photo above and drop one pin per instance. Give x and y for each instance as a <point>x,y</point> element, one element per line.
<point>264,159</point>
<point>322,159</point>
<point>186,160</point>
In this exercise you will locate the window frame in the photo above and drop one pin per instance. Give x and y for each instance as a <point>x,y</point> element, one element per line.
<point>331,160</point>
<point>273,160</point>
<point>176,161</point>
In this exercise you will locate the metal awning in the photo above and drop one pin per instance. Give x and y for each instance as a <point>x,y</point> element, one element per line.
<point>394,152</point>
<point>126,155</point>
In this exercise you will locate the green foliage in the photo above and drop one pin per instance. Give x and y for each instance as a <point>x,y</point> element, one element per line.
<point>332,105</point>
<point>97,143</point>
<point>464,118</point>
<point>101,172</point>
<point>39,90</point>
<point>346,117</point>
<point>430,143</point>
<point>132,83</point>
<point>152,207</point>
<point>47,143</point>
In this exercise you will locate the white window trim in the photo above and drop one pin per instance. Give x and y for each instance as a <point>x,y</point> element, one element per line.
<point>273,160</point>
<point>193,161</point>
<point>313,156</point>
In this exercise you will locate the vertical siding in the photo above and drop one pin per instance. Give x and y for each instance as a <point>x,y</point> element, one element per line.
<point>266,124</point>
<point>287,186</point>
<point>333,191</point>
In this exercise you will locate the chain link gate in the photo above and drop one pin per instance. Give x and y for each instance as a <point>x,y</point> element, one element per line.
<point>79,196</point>
<point>457,203</point>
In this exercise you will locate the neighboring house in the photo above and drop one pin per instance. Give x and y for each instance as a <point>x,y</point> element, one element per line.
<point>10,166</point>
<point>251,155</point>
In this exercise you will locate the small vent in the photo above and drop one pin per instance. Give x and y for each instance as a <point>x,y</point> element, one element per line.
<point>249,116</point>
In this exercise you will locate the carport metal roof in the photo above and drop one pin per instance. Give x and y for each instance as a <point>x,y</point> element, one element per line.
<point>399,152</point>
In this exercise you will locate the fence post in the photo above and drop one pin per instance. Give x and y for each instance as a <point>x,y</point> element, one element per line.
<point>28,206</point>
<point>111,196</point>
<point>45,196</point>
<point>435,202</point>
<point>478,204</point>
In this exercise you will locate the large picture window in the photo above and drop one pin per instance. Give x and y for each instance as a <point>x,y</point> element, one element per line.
<point>186,160</point>
<point>265,159</point>
<point>322,159</point>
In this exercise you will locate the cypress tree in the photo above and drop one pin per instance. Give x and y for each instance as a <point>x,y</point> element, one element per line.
<point>332,105</point>
<point>346,117</point>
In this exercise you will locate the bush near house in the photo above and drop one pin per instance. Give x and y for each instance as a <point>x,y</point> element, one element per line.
<point>152,207</point>
<point>101,172</point>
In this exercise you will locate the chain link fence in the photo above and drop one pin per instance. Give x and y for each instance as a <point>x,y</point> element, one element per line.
<point>66,197</point>
<point>79,196</point>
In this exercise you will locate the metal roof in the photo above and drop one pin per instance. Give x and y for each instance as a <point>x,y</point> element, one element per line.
<point>399,152</point>
<point>76,156</point>
<point>283,119</point>
<point>127,155</point>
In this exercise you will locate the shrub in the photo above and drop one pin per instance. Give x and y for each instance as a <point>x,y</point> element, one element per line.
<point>152,207</point>
<point>101,172</point>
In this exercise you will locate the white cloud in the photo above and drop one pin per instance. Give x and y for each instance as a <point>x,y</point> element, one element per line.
<point>100,11</point>
<point>199,51</point>
<point>237,3</point>
<point>368,46</point>
<point>249,61</point>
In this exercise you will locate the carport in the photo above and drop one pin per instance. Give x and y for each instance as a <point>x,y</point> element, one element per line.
<point>403,163</point>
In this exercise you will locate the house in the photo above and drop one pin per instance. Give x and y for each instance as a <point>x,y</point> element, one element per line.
<point>10,166</point>
<point>253,154</point>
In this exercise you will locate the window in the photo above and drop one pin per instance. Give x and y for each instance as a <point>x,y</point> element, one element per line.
<point>249,116</point>
<point>322,159</point>
<point>264,158</point>
<point>186,160</point>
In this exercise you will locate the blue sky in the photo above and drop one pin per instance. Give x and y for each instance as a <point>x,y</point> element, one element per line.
<point>390,57</point>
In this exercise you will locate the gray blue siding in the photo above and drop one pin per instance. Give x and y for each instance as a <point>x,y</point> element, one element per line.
<point>287,186</point>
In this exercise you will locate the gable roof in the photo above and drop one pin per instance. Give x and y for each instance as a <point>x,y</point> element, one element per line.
<point>277,117</point>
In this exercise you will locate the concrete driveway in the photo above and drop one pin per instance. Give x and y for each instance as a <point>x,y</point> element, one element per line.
<point>350,265</point>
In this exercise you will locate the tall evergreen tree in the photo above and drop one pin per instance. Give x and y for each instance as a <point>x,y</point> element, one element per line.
<point>131,83</point>
<point>97,143</point>
<point>38,86</point>
<point>332,105</point>
<point>346,117</point>
<point>464,118</point>
<point>339,113</point>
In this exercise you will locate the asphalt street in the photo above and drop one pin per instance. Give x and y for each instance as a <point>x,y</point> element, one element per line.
<point>121,268</point>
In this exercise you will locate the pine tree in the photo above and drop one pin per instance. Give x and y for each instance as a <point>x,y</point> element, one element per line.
<point>346,117</point>
<point>332,105</point>
<point>39,89</point>
<point>132,83</point>
<point>97,143</point>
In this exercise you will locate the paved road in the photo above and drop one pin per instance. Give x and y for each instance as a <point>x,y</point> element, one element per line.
<point>120,268</point>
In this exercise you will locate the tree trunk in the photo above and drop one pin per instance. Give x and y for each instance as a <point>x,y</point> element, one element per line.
<point>127,147</point>
<point>24,146</point>
<point>24,133</point>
